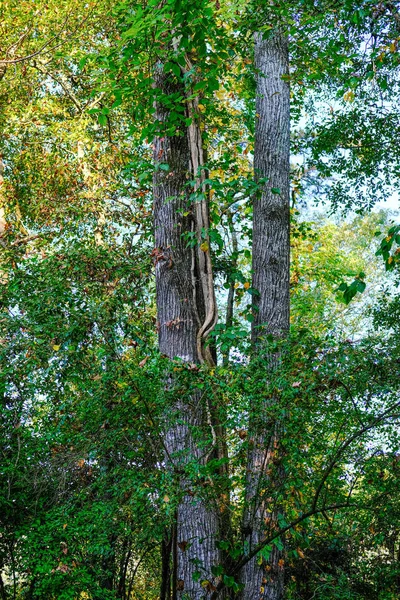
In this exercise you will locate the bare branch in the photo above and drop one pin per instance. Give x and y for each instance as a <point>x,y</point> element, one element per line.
<point>240,564</point>
<point>26,239</point>
<point>14,61</point>
<point>345,445</point>
<point>67,89</point>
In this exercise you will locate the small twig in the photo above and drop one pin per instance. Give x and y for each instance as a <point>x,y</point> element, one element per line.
<point>61,83</point>
<point>345,445</point>
<point>14,61</point>
<point>26,239</point>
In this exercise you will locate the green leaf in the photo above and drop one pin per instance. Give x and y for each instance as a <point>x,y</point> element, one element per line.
<point>83,62</point>
<point>349,294</point>
<point>217,570</point>
<point>199,86</point>
<point>361,285</point>
<point>102,119</point>
<point>253,291</point>
<point>213,85</point>
<point>229,581</point>
<point>278,543</point>
<point>265,552</point>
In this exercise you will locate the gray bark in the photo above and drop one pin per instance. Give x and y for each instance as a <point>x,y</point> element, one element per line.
<point>271,251</point>
<point>181,313</point>
<point>271,245</point>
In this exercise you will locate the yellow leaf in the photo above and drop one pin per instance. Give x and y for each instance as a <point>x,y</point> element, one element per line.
<point>246,285</point>
<point>166,499</point>
<point>349,96</point>
<point>56,347</point>
<point>204,246</point>
<point>64,526</point>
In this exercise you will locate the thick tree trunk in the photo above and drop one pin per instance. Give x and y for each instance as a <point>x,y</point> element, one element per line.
<point>182,310</point>
<point>271,250</point>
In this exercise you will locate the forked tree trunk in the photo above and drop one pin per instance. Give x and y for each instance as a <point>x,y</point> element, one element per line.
<point>181,313</point>
<point>271,249</point>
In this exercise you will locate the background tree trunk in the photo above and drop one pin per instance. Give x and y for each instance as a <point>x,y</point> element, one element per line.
<point>271,252</point>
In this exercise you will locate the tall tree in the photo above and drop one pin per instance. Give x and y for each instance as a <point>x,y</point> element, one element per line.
<point>186,311</point>
<point>271,251</point>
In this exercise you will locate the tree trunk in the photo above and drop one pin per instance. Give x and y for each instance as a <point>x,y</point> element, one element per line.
<point>182,310</point>
<point>231,282</point>
<point>271,250</point>
<point>2,586</point>
<point>166,553</point>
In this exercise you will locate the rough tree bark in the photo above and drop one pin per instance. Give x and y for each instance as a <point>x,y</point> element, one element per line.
<point>184,307</point>
<point>271,250</point>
